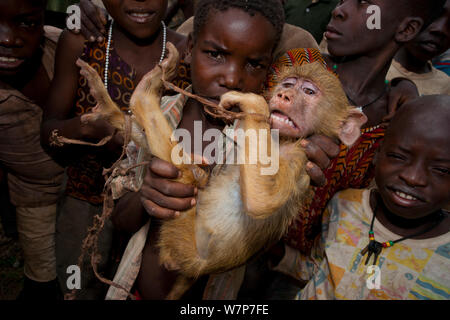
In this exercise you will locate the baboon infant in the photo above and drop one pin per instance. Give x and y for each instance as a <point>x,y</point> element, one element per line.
<point>239,211</point>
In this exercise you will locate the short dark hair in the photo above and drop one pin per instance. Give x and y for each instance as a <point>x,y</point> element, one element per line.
<point>429,10</point>
<point>272,10</point>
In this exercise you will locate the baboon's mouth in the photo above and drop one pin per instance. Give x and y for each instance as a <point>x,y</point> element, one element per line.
<point>282,118</point>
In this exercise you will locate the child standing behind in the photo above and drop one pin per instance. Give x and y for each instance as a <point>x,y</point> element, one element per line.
<point>135,44</point>
<point>413,61</point>
<point>403,215</point>
<point>27,52</point>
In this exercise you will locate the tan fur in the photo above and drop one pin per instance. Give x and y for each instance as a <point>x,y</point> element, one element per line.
<point>334,106</point>
<point>240,211</point>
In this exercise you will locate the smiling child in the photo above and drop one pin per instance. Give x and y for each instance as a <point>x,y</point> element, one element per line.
<point>401,220</point>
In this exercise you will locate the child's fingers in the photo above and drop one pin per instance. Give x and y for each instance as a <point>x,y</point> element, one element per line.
<point>156,211</point>
<point>89,30</point>
<point>316,174</point>
<point>87,33</point>
<point>315,154</point>
<point>170,188</point>
<point>163,168</point>
<point>95,17</point>
<point>328,145</point>
<point>163,201</point>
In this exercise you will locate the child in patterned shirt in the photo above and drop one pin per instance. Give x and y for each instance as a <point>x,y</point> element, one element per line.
<point>393,241</point>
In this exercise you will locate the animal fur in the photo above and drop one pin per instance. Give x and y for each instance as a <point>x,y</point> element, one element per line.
<point>239,211</point>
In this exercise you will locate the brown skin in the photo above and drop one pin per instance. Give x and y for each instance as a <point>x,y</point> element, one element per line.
<point>415,160</point>
<point>21,33</point>
<point>132,40</point>
<point>220,63</point>
<point>431,42</point>
<point>273,200</point>
<point>364,56</point>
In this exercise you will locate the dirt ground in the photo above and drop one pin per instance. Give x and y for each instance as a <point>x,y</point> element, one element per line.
<point>11,267</point>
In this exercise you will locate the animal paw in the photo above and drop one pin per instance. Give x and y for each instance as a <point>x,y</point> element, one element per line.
<point>247,102</point>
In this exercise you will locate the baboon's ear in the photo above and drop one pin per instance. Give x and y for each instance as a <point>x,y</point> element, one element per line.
<point>351,127</point>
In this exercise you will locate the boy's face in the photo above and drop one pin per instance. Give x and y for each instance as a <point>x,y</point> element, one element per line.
<point>232,51</point>
<point>413,166</point>
<point>347,32</point>
<point>21,31</point>
<point>140,19</point>
<point>435,40</point>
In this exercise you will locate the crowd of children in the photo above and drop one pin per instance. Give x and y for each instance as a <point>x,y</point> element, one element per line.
<point>381,202</point>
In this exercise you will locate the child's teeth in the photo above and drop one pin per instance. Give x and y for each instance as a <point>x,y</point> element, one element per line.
<point>140,15</point>
<point>6,59</point>
<point>405,196</point>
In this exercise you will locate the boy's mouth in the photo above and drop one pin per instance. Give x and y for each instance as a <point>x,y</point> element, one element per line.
<point>10,62</point>
<point>332,32</point>
<point>140,16</point>
<point>405,198</point>
<point>430,46</point>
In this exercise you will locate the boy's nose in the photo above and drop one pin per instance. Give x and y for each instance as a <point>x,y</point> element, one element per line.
<point>232,78</point>
<point>439,27</point>
<point>414,175</point>
<point>340,11</point>
<point>8,38</point>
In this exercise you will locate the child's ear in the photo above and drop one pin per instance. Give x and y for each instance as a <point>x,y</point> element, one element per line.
<point>408,29</point>
<point>189,47</point>
<point>351,127</point>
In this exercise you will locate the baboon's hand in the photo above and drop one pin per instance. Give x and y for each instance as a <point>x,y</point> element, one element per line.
<point>247,102</point>
<point>106,108</point>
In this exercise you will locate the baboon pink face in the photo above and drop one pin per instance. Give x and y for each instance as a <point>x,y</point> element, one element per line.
<point>292,107</point>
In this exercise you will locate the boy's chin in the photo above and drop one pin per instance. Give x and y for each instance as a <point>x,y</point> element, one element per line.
<point>9,73</point>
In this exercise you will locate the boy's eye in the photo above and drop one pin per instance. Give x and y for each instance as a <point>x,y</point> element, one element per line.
<point>396,156</point>
<point>255,64</point>
<point>28,23</point>
<point>442,171</point>
<point>214,54</point>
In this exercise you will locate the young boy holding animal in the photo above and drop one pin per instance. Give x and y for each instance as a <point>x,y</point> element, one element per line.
<point>362,66</point>
<point>27,52</point>
<point>397,229</point>
<point>219,48</point>
<point>136,31</point>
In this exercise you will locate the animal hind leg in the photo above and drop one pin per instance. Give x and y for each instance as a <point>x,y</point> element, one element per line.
<point>145,104</point>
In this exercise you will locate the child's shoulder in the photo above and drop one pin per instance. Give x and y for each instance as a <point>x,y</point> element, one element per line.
<point>71,44</point>
<point>352,195</point>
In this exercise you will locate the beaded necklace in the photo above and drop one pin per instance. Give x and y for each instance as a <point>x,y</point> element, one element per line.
<point>375,247</point>
<point>108,46</point>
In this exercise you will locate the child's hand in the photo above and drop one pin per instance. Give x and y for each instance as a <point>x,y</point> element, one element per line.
<point>161,197</point>
<point>93,21</point>
<point>320,150</point>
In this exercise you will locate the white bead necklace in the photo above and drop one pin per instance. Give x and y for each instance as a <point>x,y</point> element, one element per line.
<point>108,46</point>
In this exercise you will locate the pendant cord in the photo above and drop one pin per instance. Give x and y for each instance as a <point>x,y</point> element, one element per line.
<point>438,221</point>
